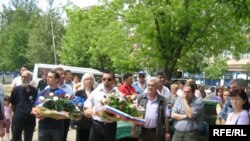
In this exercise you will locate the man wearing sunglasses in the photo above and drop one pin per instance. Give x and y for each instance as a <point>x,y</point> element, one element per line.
<point>140,85</point>
<point>102,129</point>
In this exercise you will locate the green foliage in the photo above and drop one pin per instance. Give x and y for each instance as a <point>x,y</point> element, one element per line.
<point>25,35</point>
<point>40,45</point>
<point>169,35</point>
<point>247,68</point>
<point>216,69</point>
<point>126,35</point>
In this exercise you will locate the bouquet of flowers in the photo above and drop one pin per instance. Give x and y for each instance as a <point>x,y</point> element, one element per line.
<point>59,105</point>
<point>115,108</point>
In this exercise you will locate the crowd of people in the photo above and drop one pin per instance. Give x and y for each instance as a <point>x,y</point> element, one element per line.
<point>178,104</point>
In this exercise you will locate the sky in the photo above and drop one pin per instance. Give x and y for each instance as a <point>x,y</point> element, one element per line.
<point>58,3</point>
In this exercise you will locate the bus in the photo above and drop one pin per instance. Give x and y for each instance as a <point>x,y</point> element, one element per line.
<point>79,71</point>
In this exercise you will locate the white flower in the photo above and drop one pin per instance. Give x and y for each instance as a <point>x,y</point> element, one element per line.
<point>121,99</point>
<point>51,94</point>
<point>134,96</point>
<point>41,98</point>
<point>55,98</point>
<point>132,106</point>
<point>67,96</point>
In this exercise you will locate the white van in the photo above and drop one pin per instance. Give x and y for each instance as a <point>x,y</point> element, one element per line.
<point>39,68</point>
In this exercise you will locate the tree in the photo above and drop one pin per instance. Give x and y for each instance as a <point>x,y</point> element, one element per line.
<point>40,45</point>
<point>216,69</point>
<point>14,33</point>
<point>247,70</point>
<point>25,34</point>
<point>169,33</point>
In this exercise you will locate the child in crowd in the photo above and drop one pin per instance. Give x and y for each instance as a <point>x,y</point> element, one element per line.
<point>7,113</point>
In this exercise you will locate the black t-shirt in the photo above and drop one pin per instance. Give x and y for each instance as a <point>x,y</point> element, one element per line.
<point>23,102</point>
<point>41,85</point>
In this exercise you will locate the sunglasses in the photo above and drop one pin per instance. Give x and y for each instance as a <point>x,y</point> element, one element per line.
<point>141,76</point>
<point>108,79</point>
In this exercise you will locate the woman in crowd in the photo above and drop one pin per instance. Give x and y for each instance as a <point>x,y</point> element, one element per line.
<point>202,90</point>
<point>219,106</point>
<point>84,124</point>
<point>173,90</point>
<point>240,104</point>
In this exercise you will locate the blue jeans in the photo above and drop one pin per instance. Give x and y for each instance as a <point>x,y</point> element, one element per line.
<point>102,131</point>
<point>50,134</point>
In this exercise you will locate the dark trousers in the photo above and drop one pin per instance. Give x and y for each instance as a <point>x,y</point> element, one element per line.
<point>50,134</point>
<point>101,131</point>
<point>82,134</point>
<point>148,135</point>
<point>66,129</point>
<point>18,129</point>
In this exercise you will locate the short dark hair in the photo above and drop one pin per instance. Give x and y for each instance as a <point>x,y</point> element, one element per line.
<point>109,72</point>
<point>67,71</point>
<point>57,75</point>
<point>240,83</point>
<point>160,73</point>
<point>126,76</point>
<point>242,94</point>
<point>24,66</point>
<point>191,85</point>
<point>6,98</point>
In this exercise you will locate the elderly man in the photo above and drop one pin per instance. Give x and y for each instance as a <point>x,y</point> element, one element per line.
<point>157,113</point>
<point>187,115</point>
<point>18,80</point>
<point>22,100</point>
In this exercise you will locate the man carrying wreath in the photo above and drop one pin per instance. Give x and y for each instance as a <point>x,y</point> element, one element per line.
<point>50,129</point>
<point>102,129</point>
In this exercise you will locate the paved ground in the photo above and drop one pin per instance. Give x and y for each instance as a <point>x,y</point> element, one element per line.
<point>71,135</point>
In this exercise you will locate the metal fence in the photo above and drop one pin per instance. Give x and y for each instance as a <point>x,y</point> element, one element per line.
<point>7,77</point>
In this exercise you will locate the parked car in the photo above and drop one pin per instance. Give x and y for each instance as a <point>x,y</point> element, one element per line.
<point>209,117</point>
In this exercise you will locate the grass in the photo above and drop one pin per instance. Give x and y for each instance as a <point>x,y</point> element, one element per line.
<point>7,89</point>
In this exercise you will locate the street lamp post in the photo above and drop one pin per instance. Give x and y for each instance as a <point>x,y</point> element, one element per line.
<point>53,37</point>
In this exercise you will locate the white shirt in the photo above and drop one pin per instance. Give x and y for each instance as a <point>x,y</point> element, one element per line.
<point>94,100</point>
<point>165,92</point>
<point>197,93</point>
<point>151,113</point>
<point>18,81</point>
<point>179,92</point>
